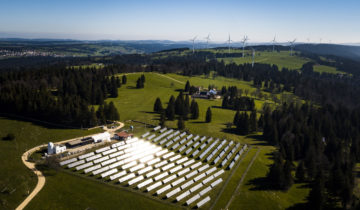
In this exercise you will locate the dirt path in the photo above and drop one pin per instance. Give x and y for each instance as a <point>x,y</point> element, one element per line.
<point>228,179</point>
<point>170,78</point>
<point>242,179</point>
<point>41,178</point>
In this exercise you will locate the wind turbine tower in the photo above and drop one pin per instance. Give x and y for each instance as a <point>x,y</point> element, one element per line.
<point>245,39</point>
<point>292,46</point>
<point>274,41</point>
<point>207,41</point>
<point>229,42</point>
<point>193,43</point>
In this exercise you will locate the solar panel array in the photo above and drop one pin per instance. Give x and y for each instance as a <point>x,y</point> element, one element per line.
<point>170,164</point>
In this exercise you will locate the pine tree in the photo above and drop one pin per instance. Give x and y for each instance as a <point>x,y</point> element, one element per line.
<point>187,86</point>
<point>275,174</point>
<point>300,172</point>
<point>253,122</point>
<point>236,118</point>
<point>124,79</point>
<point>162,119</point>
<point>186,108</point>
<point>170,110</point>
<point>158,106</point>
<point>93,119</point>
<point>101,115</point>
<point>180,123</point>
<point>194,110</point>
<point>288,179</point>
<point>142,78</point>
<point>208,115</point>
<point>316,196</point>
<point>118,82</point>
<point>179,104</point>
<point>138,83</point>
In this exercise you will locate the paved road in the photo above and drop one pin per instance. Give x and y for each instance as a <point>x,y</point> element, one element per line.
<point>41,178</point>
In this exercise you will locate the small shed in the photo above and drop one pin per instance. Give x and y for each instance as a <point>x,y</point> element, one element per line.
<point>124,135</point>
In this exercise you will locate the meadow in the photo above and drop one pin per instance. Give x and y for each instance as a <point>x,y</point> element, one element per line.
<point>16,181</point>
<point>63,190</point>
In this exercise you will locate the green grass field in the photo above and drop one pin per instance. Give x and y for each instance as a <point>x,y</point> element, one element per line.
<point>251,197</point>
<point>16,181</point>
<point>66,191</point>
<point>281,59</point>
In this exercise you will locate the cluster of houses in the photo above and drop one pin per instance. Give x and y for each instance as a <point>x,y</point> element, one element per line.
<point>206,94</point>
<point>98,138</point>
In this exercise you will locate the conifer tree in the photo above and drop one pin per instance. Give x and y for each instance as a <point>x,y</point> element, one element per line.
<point>186,108</point>
<point>180,123</point>
<point>162,119</point>
<point>288,179</point>
<point>158,106</point>
<point>187,86</point>
<point>208,115</point>
<point>142,78</point>
<point>300,172</point>
<point>253,122</point>
<point>236,118</point>
<point>124,79</point>
<point>194,110</point>
<point>170,110</point>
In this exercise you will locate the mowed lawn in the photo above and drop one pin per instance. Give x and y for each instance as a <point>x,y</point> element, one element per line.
<point>16,181</point>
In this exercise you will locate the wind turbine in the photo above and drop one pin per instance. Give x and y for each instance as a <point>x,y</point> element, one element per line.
<point>193,41</point>
<point>253,57</point>
<point>292,46</point>
<point>229,42</point>
<point>274,41</point>
<point>245,39</point>
<point>207,41</point>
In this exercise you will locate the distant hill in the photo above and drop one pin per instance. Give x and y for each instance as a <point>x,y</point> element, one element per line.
<point>352,52</point>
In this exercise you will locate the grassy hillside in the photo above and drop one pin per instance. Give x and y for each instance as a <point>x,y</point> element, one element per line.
<point>137,104</point>
<point>16,181</point>
<point>66,191</point>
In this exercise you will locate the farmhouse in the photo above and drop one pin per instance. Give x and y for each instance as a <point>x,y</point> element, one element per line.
<point>206,94</point>
<point>55,149</point>
<point>123,135</point>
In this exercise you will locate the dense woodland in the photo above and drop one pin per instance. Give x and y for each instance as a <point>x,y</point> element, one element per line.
<point>319,141</point>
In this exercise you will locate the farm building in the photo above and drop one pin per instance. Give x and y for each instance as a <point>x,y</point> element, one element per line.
<point>206,94</point>
<point>55,149</point>
<point>101,137</point>
<point>123,135</point>
<point>80,142</point>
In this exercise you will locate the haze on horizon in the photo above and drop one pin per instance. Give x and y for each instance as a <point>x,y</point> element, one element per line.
<point>332,21</point>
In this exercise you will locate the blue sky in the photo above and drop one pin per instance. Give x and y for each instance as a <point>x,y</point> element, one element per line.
<point>333,20</point>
